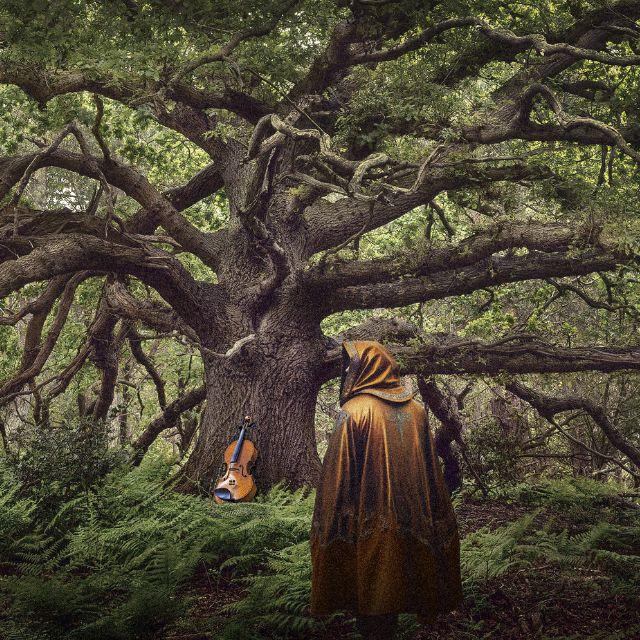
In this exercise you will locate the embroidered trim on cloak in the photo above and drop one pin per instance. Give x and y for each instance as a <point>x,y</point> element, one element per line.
<point>407,394</point>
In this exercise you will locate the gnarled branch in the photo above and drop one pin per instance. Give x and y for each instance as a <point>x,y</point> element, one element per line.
<point>548,406</point>
<point>166,420</point>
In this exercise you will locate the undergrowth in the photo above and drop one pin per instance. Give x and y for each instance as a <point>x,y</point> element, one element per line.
<point>117,560</point>
<point>120,570</point>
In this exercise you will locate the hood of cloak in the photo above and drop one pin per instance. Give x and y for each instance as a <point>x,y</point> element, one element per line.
<point>367,367</point>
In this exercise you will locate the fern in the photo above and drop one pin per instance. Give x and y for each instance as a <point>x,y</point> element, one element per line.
<point>277,600</point>
<point>130,541</point>
<point>485,554</point>
<point>15,515</point>
<point>114,562</point>
<point>612,548</point>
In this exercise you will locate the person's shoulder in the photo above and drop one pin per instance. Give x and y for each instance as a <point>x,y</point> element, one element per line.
<point>350,407</point>
<point>362,405</point>
<point>416,406</point>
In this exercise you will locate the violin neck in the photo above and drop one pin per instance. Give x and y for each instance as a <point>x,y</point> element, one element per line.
<point>238,449</point>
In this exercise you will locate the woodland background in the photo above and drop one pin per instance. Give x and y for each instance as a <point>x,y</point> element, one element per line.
<point>99,537</point>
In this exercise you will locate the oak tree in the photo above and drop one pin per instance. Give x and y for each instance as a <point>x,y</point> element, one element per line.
<point>505,137</point>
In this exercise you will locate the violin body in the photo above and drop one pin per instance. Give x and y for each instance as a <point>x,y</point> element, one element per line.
<point>237,484</point>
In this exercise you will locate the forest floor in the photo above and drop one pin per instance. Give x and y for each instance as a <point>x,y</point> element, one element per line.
<point>547,558</point>
<point>537,601</point>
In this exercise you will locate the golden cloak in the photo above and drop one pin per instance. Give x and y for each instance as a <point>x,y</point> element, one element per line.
<point>384,536</point>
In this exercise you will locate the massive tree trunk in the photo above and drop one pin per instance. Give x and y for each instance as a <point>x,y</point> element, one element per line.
<point>276,383</point>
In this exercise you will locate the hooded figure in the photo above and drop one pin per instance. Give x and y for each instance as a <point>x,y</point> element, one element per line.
<point>384,537</point>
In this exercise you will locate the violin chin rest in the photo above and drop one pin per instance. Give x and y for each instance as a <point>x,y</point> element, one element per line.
<point>223,494</point>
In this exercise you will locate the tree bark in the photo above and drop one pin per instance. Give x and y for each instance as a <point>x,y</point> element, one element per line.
<point>276,385</point>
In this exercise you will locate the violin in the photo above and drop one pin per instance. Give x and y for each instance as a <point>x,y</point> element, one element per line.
<point>236,484</point>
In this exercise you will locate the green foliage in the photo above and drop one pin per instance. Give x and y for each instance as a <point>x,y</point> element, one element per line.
<point>560,493</point>
<point>111,562</point>
<point>57,462</point>
<point>123,544</point>
<point>572,530</point>
<point>278,599</point>
<point>15,514</point>
<point>485,554</point>
<point>613,549</point>
<point>578,502</point>
<point>252,531</point>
